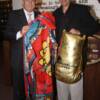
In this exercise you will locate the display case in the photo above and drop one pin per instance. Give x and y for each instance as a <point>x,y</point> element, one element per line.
<point>5,8</point>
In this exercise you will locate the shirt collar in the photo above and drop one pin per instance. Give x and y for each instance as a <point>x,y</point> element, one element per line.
<point>26,12</point>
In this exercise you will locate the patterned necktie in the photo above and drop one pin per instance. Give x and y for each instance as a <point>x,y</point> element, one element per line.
<point>29,18</point>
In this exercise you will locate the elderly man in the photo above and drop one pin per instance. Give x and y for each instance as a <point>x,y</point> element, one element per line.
<point>17,26</point>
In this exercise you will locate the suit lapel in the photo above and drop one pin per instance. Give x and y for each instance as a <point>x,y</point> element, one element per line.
<point>36,13</point>
<point>23,17</point>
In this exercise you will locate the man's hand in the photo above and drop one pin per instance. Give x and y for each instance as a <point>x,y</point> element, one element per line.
<point>24,29</point>
<point>74,31</point>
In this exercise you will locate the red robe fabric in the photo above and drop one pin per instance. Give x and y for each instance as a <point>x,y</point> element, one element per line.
<point>39,51</point>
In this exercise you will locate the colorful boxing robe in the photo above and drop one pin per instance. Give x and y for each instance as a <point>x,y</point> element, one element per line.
<point>39,51</point>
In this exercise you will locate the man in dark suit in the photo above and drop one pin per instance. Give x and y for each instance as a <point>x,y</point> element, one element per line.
<point>17,26</point>
<point>77,20</point>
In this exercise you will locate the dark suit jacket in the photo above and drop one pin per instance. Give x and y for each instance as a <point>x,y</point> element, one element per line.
<point>16,21</point>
